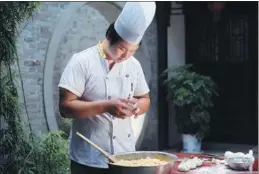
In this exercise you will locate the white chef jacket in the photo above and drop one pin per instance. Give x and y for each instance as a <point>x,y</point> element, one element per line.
<point>87,75</point>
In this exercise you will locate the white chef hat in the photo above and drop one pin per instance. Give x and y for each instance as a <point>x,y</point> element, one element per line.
<point>134,20</point>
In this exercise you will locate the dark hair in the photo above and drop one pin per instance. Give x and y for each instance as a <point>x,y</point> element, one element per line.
<point>113,36</point>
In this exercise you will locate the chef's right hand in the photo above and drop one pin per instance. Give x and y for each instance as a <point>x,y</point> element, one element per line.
<point>119,108</point>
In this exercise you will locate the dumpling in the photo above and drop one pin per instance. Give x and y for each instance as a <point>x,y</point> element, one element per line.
<point>198,161</point>
<point>191,163</point>
<point>183,167</point>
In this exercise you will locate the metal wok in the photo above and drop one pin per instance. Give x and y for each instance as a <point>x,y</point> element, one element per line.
<point>160,169</point>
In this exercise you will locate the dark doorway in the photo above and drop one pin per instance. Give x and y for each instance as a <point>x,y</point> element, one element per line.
<point>225,46</point>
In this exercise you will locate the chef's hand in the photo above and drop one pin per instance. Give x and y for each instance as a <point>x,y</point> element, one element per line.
<point>119,108</point>
<point>134,103</point>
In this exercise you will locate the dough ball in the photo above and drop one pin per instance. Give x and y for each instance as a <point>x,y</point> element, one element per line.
<point>192,163</point>
<point>198,161</point>
<point>183,167</point>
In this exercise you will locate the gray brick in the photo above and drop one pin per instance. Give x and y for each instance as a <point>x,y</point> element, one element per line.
<point>32,69</point>
<point>32,93</point>
<point>33,81</point>
<point>45,32</point>
<point>35,110</point>
<point>29,62</point>
<point>40,69</point>
<point>75,24</point>
<point>34,75</point>
<point>40,81</point>
<point>32,87</point>
<point>30,39</point>
<point>24,70</point>
<point>42,45</point>
<point>62,6</point>
<point>54,4</point>
<point>32,45</point>
<point>30,100</point>
<point>29,51</point>
<point>32,106</point>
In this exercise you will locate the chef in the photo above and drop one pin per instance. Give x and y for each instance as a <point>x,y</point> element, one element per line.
<point>102,87</point>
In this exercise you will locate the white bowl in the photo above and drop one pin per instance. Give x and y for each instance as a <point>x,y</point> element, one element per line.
<point>240,163</point>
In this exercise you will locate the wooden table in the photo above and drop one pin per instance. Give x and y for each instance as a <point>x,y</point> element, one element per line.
<point>209,168</point>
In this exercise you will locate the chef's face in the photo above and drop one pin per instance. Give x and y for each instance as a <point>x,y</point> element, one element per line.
<point>121,51</point>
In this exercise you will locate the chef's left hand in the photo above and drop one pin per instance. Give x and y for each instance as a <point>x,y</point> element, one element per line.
<point>134,103</point>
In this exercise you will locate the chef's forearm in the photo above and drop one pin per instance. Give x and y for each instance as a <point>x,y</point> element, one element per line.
<point>82,109</point>
<point>143,104</point>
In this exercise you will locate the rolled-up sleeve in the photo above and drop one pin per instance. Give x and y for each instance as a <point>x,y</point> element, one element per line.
<point>74,77</point>
<point>141,85</point>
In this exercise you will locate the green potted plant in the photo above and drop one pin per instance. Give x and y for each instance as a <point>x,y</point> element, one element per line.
<point>191,94</point>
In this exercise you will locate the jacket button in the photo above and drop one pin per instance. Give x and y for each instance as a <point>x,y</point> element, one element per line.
<point>128,135</point>
<point>109,97</point>
<point>113,137</point>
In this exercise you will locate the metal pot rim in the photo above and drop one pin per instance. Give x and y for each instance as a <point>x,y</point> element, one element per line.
<point>174,157</point>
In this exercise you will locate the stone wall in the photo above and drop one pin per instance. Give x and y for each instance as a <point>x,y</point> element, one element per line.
<point>47,42</point>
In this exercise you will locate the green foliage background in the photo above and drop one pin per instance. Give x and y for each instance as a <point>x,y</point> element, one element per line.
<point>19,150</point>
<point>192,96</point>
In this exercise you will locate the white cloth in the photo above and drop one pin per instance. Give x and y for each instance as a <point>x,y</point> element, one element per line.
<point>134,20</point>
<point>87,77</point>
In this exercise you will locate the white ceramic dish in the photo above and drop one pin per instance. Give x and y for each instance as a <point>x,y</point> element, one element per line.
<point>240,163</point>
